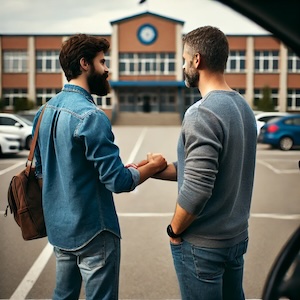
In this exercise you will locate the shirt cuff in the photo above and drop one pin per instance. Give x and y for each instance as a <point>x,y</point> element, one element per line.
<point>135,176</point>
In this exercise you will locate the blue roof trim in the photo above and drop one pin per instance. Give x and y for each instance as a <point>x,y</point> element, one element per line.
<point>147,83</point>
<point>144,14</point>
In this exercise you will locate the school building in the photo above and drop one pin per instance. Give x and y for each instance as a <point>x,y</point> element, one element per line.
<point>145,62</point>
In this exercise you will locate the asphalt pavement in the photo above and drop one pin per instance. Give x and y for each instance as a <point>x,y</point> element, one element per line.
<point>147,272</point>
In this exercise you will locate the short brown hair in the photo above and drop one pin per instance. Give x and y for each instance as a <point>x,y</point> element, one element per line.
<point>212,45</point>
<point>77,47</point>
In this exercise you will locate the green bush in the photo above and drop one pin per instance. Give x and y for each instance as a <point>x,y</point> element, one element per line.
<point>22,104</point>
<point>1,104</point>
<point>266,102</point>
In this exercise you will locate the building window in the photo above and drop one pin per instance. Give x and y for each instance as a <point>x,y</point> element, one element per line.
<point>191,96</point>
<point>258,95</point>
<point>147,64</point>
<point>293,62</point>
<point>104,101</point>
<point>15,61</point>
<point>241,91</point>
<point>266,61</point>
<point>44,95</point>
<point>10,95</point>
<point>293,99</point>
<point>236,61</point>
<point>48,61</point>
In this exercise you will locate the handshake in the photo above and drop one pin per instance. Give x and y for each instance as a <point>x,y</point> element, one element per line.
<point>150,167</point>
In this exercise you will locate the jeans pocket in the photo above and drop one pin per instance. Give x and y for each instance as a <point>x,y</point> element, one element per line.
<point>207,263</point>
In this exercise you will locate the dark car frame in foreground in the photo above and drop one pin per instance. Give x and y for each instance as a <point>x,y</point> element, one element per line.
<point>282,18</point>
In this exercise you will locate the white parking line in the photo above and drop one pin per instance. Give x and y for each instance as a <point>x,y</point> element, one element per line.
<point>137,146</point>
<point>277,171</point>
<point>33,274</point>
<point>12,167</point>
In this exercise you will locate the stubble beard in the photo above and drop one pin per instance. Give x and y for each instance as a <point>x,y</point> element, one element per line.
<point>191,79</point>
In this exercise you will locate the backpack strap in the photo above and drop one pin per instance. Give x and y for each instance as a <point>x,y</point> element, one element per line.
<point>33,143</point>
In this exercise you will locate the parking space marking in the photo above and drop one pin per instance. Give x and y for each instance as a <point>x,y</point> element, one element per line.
<point>275,170</point>
<point>252,215</point>
<point>33,274</point>
<point>12,167</point>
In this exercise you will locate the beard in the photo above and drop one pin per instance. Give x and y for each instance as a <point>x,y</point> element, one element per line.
<point>191,79</point>
<point>98,83</point>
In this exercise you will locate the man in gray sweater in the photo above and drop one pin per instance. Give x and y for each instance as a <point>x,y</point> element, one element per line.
<point>215,173</point>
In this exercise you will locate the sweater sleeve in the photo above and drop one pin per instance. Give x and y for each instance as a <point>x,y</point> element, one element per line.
<point>202,138</point>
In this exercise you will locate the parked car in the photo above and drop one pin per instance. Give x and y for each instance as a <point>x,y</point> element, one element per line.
<point>13,124</point>
<point>28,114</point>
<point>281,132</point>
<point>9,143</point>
<point>263,117</point>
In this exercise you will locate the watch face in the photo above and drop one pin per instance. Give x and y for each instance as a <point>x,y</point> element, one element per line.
<point>147,34</point>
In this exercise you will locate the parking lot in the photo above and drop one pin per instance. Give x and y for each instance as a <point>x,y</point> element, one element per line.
<point>28,268</point>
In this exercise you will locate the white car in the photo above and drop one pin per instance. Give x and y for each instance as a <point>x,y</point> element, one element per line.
<point>9,143</point>
<point>13,124</point>
<point>263,117</point>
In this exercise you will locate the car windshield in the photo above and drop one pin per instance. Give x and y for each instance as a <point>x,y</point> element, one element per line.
<point>274,120</point>
<point>25,120</point>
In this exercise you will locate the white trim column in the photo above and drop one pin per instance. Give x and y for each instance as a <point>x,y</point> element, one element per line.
<point>249,95</point>
<point>114,61</point>
<point>31,69</point>
<point>179,46</point>
<point>282,94</point>
<point>63,77</point>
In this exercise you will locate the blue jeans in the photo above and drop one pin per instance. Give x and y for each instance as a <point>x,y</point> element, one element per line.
<point>97,264</point>
<point>209,273</point>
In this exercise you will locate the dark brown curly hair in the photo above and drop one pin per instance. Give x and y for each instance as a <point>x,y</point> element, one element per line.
<point>77,47</point>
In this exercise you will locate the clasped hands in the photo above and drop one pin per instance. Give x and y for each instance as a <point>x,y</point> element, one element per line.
<point>155,159</point>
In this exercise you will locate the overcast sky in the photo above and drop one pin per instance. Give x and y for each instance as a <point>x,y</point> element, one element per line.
<point>94,16</point>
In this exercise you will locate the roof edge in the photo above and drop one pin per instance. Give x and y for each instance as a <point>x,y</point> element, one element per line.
<point>143,14</point>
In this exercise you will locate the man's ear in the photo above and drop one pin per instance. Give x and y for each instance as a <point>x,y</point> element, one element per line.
<point>84,64</point>
<point>197,60</point>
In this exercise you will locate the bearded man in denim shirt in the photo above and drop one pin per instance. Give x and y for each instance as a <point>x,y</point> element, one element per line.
<point>79,167</point>
<point>215,172</point>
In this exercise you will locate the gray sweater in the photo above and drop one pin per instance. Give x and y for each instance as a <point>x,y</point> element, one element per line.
<point>215,168</point>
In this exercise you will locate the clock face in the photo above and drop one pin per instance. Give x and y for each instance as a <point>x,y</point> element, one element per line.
<point>147,34</point>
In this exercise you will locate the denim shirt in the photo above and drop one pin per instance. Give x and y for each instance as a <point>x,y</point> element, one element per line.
<point>80,165</point>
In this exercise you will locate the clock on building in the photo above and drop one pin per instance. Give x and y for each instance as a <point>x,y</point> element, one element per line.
<point>147,34</point>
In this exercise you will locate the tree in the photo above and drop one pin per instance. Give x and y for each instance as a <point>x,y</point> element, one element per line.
<point>1,104</point>
<point>266,102</point>
<point>22,104</point>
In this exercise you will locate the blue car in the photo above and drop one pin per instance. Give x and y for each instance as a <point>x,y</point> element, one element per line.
<point>282,132</point>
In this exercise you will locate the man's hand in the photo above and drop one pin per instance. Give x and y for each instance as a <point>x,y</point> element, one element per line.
<point>158,160</point>
<point>176,241</point>
<point>155,163</point>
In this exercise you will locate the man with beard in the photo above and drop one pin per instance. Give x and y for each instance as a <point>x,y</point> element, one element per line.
<point>215,170</point>
<point>79,167</point>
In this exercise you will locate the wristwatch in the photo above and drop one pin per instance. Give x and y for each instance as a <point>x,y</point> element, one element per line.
<point>171,233</point>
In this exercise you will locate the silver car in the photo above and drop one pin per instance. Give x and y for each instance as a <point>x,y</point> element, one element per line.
<point>13,124</point>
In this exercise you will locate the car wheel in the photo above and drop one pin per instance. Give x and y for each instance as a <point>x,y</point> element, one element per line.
<point>286,143</point>
<point>28,142</point>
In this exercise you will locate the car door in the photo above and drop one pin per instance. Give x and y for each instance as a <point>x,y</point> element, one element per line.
<point>9,125</point>
<point>296,126</point>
